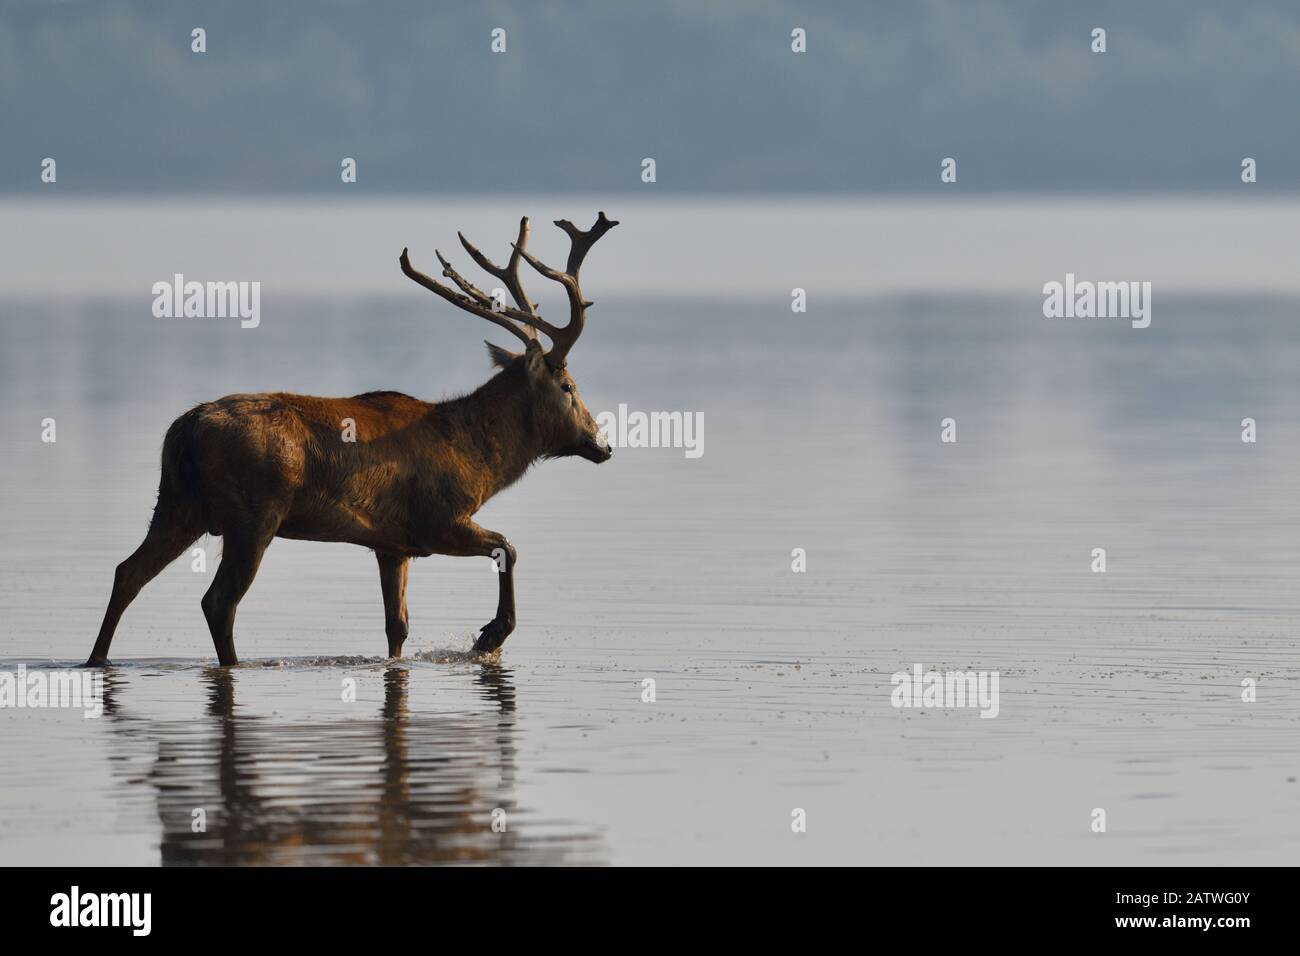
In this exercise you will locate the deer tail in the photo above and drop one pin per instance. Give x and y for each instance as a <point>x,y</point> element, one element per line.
<point>181,486</point>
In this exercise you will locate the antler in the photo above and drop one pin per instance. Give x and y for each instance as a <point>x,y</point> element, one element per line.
<point>475,300</point>
<point>580,244</point>
<point>510,274</point>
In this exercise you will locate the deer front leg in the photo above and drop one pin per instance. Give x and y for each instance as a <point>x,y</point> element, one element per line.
<point>392,581</point>
<point>470,539</point>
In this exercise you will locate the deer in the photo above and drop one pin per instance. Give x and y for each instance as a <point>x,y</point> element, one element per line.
<point>408,482</point>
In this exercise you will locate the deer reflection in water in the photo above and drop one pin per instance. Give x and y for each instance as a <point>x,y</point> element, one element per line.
<point>398,788</point>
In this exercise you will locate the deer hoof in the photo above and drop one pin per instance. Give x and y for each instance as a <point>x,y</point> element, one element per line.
<point>493,634</point>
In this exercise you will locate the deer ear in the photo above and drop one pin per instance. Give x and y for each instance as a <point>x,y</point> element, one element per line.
<point>535,360</point>
<point>500,357</point>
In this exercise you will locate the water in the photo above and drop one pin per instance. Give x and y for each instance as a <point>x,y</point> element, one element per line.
<point>1118,691</point>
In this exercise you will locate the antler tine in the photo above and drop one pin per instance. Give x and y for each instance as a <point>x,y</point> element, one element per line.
<point>477,301</point>
<point>583,241</point>
<point>580,244</point>
<point>471,290</point>
<point>510,274</point>
<point>465,302</point>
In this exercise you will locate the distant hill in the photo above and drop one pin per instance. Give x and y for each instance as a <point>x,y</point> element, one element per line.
<point>586,90</point>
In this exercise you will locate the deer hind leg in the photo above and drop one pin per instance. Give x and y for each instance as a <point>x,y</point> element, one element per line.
<point>243,543</point>
<point>393,569</point>
<point>175,526</point>
<point>470,539</point>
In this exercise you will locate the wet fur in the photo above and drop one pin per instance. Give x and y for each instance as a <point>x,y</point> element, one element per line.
<point>415,470</point>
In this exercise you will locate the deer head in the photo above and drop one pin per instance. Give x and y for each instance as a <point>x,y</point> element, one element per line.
<point>562,422</point>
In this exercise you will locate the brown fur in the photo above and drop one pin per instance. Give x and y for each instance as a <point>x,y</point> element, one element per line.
<point>255,467</point>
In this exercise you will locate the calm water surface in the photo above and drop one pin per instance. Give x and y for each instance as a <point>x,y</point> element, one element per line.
<point>1118,690</point>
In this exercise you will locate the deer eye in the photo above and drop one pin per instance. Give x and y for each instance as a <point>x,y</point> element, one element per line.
<point>566,387</point>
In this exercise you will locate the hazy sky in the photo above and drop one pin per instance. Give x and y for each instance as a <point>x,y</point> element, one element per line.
<point>586,90</point>
<point>691,248</point>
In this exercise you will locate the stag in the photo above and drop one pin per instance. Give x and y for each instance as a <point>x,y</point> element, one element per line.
<point>256,467</point>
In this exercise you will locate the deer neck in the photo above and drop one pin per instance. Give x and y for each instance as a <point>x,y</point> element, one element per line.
<point>500,424</point>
